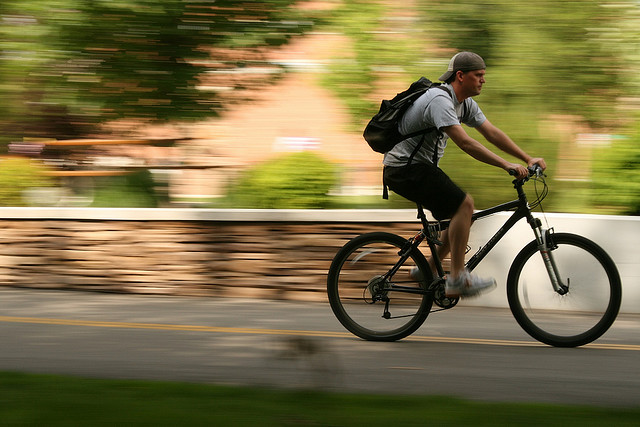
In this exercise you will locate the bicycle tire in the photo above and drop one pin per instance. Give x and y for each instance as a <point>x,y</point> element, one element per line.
<point>356,271</point>
<point>585,312</point>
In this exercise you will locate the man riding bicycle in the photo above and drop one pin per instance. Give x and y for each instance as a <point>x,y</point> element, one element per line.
<point>411,167</point>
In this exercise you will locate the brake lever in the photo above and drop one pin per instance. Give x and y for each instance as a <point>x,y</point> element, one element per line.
<point>536,170</point>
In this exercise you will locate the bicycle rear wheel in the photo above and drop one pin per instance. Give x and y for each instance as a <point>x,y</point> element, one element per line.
<point>588,308</point>
<point>370,305</point>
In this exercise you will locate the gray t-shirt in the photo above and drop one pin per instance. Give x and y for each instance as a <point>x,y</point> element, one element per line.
<point>436,109</point>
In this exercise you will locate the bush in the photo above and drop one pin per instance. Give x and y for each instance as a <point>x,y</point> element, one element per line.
<point>18,174</point>
<point>135,190</point>
<point>616,175</point>
<point>294,181</point>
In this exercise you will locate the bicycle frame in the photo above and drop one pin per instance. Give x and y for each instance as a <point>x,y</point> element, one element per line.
<point>522,210</point>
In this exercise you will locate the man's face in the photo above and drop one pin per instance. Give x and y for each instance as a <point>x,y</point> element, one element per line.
<point>472,82</point>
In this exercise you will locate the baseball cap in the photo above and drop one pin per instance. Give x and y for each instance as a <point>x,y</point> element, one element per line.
<point>463,61</point>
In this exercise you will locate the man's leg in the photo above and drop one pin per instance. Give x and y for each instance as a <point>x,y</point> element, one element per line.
<point>459,235</point>
<point>460,282</point>
<point>442,251</point>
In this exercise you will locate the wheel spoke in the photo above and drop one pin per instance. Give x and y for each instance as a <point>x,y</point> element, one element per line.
<point>579,315</point>
<point>357,283</point>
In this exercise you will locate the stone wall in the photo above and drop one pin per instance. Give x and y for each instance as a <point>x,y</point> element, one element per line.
<point>281,260</point>
<point>280,254</point>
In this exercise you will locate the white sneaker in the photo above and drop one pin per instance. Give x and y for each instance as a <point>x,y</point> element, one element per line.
<point>468,285</point>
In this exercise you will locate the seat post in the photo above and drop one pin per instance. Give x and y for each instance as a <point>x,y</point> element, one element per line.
<point>422,216</point>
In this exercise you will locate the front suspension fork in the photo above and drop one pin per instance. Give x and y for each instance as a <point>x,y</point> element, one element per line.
<point>546,246</point>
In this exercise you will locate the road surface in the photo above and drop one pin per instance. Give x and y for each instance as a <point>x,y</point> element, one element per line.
<point>468,352</point>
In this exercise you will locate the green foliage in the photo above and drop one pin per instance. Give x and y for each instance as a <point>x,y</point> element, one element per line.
<point>135,190</point>
<point>67,65</point>
<point>573,57</point>
<point>374,52</point>
<point>544,58</point>
<point>351,78</point>
<point>563,55</point>
<point>616,175</point>
<point>18,174</point>
<point>570,57</point>
<point>294,181</point>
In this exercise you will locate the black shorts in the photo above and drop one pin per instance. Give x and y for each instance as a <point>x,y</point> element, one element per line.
<point>427,185</point>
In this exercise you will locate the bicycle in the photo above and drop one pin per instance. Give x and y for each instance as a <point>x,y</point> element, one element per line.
<point>563,289</point>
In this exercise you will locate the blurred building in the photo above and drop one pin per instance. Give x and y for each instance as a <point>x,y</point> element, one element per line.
<point>294,114</point>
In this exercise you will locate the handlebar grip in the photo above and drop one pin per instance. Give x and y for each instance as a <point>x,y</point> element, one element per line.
<point>534,170</point>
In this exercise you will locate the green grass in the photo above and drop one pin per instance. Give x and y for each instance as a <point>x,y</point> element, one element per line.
<point>47,400</point>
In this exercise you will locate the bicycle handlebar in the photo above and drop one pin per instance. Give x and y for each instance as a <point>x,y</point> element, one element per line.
<point>534,170</point>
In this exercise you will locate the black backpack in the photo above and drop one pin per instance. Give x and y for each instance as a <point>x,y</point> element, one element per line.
<point>382,131</point>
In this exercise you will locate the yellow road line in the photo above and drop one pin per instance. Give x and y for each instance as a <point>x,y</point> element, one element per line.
<point>478,341</point>
<point>168,327</point>
<point>262,331</point>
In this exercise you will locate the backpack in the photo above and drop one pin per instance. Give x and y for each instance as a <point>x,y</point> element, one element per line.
<point>381,133</point>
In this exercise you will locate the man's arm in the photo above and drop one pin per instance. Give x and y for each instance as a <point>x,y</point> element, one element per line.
<point>501,140</point>
<point>480,152</point>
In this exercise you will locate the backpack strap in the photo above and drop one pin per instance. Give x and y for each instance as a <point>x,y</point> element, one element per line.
<point>424,133</point>
<point>434,160</point>
<point>429,129</point>
<point>415,150</point>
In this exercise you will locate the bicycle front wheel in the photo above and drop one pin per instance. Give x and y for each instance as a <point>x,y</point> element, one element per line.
<point>368,302</point>
<point>590,304</point>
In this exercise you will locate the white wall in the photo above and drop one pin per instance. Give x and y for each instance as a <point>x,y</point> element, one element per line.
<point>618,235</point>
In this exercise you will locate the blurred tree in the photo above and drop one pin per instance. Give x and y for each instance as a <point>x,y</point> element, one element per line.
<point>565,56</point>
<point>550,60</point>
<point>545,58</point>
<point>67,65</point>
<point>616,175</point>
<point>383,44</point>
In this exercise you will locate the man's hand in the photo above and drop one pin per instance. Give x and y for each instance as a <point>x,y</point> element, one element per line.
<point>538,161</point>
<point>517,170</point>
